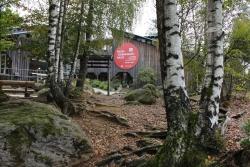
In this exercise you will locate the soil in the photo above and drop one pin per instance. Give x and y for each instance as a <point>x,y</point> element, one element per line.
<point>107,136</point>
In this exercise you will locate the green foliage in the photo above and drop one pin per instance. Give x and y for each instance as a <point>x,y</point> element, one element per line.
<point>240,39</point>
<point>8,20</point>
<point>245,143</point>
<point>38,45</point>
<point>194,74</point>
<point>147,76</point>
<point>238,54</point>
<point>99,84</point>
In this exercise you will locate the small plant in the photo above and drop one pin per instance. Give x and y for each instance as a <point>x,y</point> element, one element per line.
<point>147,76</point>
<point>99,84</point>
<point>245,143</point>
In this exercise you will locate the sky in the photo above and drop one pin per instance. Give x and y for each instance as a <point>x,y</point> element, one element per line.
<point>142,24</point>
<point>144,20</point>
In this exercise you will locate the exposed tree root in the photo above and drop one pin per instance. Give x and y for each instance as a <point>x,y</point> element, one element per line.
<point>110,116</point>
<point>238,115</point>
<point>150,134</point>
<point>117,156</point>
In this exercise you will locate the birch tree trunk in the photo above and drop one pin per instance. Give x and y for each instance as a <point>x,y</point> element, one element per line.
<point>61,67</point>
<point>59,38</point>
<point>210,99</point>
<point>180,142</point>
<point>65,105</point>
<point>77,48</point>
<point>84,58</point>
<point>53,21</point>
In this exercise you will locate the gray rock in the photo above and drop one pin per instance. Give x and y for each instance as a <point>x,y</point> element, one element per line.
<point>37,135</point>
<point>146,95</point>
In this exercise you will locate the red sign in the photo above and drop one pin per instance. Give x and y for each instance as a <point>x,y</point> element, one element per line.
<point>126,56</point>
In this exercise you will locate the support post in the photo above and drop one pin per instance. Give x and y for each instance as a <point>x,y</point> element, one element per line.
<point>108,78</point>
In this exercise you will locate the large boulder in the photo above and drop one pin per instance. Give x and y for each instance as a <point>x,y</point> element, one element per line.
<point>37,135</point>
<point>146,95</point>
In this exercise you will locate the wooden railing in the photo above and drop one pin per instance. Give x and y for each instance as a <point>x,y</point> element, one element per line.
<point>22,74</point>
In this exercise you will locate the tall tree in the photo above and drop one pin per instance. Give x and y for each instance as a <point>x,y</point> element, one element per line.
<point>177,104</point>
<point>85,56</point>
<point>64,103</point>
<point>183,146</point>
<point>77,48</point>
<point>210,97</point>
<point>58,47</point>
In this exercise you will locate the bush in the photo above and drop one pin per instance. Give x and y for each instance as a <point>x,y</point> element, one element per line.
<point>147,76</point>
<point>99,84</point>
<point>245,143</point>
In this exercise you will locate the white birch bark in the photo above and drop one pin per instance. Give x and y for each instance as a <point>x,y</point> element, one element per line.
<point>215,48</point>
<point>175,94</point>
<point>209,63</point>
<point>53,20</point>
<point>174,60</point>
<point>59,38</point>
<point>61,71</point>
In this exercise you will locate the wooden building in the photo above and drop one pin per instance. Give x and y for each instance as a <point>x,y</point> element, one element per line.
<point>14,63</point>
<point>148,57</point>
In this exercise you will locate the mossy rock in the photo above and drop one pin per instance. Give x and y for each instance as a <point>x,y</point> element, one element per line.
<point>146,95</point>
<point>36,134</point>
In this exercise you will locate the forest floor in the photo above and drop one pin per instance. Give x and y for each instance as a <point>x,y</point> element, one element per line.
<point>107,136</point>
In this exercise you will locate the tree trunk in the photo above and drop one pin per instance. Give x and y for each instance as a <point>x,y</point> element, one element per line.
<point>82,72</point>
<point>162,46</point>
<point>180,146</point>
<point>63,29</point>
<point>59,38</point>
<point>77,48</point>
<point>210,98</point>
<point>65,105</point>
<point>84,58</point>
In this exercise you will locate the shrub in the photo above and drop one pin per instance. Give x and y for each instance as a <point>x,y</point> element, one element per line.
<point>147,76</point>
<point>99,84</point>
<point>245,143</point>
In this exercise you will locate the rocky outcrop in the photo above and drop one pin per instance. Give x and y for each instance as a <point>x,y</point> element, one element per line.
<point>146,95</point>
<point>36,134</point>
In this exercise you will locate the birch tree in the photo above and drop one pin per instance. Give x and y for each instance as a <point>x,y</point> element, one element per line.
<point>65,105</point>
<point>175,150</point>
<point>77,49</point>
<point>211,92</point>
<point>183,146</point>
<point>59,37</point>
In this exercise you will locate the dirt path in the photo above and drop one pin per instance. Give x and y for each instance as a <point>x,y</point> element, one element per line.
<point>107,136</point>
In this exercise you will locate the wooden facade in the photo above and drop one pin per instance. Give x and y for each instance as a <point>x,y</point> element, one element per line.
<point>14,63</point>
<point>149,56</point>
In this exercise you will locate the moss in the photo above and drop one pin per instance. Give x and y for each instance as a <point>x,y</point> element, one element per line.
<point>146,95</point>
<point>19,139</point>
<point>33,115</point>
<point>28,115</point>
<point>192,154</point>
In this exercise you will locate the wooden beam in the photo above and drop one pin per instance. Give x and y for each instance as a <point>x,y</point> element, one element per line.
<point>108,78</point>
<point>29,84</point>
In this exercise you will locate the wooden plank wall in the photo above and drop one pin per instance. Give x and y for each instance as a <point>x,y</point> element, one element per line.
<point>20,64</point>
<point>149,57</point>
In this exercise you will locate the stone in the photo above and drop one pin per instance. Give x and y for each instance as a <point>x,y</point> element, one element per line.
<point>146,95</point>
<point>37,134</point>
